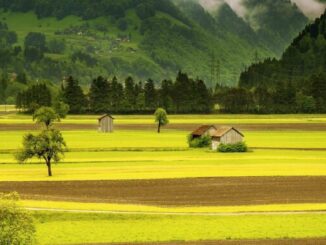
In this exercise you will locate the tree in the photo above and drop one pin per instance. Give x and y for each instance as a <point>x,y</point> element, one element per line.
<point>61,108</point>
<point>161,118</point>
<point>47,116</point>
<point>150,95</point>
<point>99,95</point>
<point>49,145</point>
<point>16,224</point>
<point>73,96</point>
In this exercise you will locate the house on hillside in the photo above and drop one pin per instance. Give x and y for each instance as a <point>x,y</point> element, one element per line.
<point>219,135</point>
<point>106,124</point>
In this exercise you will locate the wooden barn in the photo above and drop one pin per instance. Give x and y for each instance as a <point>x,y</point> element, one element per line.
<point>219,135</point>
<point>106,123</point>
<point>226,135</point>
<point>209,130</point>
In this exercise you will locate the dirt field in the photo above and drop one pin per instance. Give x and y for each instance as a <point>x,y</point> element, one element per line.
<point>177,192</point>
<point>188,127</point>
<point>243,242</point>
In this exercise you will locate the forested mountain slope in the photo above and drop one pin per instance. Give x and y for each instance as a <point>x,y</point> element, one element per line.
<point>301,70</point>
<point>144,38</point>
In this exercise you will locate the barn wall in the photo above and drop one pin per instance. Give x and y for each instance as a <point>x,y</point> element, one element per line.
<point>231,137</point>
<point>106,125</point>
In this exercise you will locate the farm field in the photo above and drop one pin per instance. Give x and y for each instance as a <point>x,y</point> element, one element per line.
<point>162,191</point>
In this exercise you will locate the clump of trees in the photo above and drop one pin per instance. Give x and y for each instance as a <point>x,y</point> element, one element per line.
<point>184,95</point>
<point>16,224</point>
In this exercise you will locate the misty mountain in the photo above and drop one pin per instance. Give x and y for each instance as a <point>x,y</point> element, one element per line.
<point>145,38</point>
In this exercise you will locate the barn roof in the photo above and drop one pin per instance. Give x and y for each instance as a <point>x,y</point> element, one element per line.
<point>202,130</point>
<point>106,115</point>
<point>223,130</point>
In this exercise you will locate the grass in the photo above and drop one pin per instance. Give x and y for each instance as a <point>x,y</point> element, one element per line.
<point>169,139</point>
<point>169,164</point>
<point>66,228</point>
<point>181,119</point>
<point>177,210</point>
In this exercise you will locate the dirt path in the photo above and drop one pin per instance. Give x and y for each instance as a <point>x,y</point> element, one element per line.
<point>179,192</point>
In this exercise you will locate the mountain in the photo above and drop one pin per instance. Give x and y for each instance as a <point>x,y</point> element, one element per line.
<point>301,69</point>
<point>144,38</point>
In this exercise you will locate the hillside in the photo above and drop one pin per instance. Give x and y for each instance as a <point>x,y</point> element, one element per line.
<point>301,71</point>
<point>140,38</point>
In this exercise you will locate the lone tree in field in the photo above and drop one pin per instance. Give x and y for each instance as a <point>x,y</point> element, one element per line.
<point>161,118</point>
<point>16,225</point>
<point>47,116</point>
<point>49,145</point>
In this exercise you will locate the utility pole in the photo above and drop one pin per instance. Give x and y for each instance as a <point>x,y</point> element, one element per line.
<point>215,70</point>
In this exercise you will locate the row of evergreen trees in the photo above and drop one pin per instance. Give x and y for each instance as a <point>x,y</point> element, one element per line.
<point>184,95</point>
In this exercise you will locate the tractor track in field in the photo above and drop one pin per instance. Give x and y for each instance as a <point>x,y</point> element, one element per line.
<point>221,191</point>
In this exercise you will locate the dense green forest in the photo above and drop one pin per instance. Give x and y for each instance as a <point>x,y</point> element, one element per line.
<point>296,82</point>
<point>48,40</point>
<point>183,95</point>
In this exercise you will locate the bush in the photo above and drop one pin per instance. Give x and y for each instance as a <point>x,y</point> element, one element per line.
<point>16,224</point>
<point>228,148</point>
<point>201,142</point>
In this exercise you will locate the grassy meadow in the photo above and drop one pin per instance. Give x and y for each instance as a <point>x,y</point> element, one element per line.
<point>64,228</point>
<point>143,154</point>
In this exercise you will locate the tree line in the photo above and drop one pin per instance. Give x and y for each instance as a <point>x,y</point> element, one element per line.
<point>184,95</point>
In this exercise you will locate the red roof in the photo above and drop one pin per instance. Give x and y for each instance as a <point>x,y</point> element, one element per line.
<point>202,130</point>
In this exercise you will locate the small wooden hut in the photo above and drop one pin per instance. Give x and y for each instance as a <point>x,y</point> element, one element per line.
<point>226,135</point>
<point>106,123</point>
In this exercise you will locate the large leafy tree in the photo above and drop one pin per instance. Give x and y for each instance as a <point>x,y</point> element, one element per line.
<point>49,145</point>
<point>16,225</point>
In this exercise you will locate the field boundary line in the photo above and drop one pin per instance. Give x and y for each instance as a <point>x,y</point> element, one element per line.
<point>177,213</point>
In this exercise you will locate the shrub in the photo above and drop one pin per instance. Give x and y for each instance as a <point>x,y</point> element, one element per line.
<point>201,142</point>
<point>228,148</point>
<point>16,224</point>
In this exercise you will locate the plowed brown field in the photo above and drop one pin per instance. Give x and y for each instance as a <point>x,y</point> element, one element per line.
<point>180,192</point>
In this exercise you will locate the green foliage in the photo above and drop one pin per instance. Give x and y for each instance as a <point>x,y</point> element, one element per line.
<point>49,145</point>
<point>161,118</point>
<point>233,148</point>
<point>199,142</point>
<point>46,116</point>
<point>61,108</point>
<point>34,97</point>
<point>74,96</point>
<point>296,82</point>
<point>16,225</point>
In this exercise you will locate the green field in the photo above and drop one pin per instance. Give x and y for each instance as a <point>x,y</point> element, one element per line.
<point>180,119</point>
<point>63,228</point>
<point>143,154</point>
<point>168,164</point>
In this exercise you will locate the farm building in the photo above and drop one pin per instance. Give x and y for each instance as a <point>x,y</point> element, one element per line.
<point>219,135</point>
<point>204,131</point>
<point>106,124</point>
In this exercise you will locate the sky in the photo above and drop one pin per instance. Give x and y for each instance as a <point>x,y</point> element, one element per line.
<point>311,8</point>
